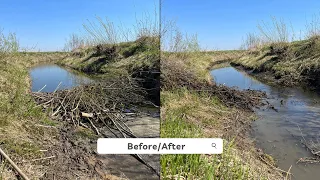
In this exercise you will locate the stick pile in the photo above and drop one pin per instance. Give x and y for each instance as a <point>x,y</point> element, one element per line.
<point>102,104</point>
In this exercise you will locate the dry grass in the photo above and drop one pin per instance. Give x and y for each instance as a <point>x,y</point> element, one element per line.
<point>139,59</point>
<point>287,63</point>
<point>130,56</point>
<point>194,66</point>
<point>8,43</point>
<point>275,31</point>
<point>105,31</point>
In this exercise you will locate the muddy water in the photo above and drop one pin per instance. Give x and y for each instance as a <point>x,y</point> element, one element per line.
<point>281,133</point>
<point>50,76</point>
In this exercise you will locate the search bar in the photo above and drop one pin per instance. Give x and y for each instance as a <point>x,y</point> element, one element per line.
<point>160,145</point>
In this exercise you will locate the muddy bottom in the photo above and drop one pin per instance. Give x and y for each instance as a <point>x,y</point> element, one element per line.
<point>289,120</point>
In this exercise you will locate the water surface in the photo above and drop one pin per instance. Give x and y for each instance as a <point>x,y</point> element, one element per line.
<point>280,133</point>
<point>50,76</point>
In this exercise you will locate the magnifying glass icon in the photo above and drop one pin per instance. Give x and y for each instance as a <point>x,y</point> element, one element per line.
<point>214,145</point>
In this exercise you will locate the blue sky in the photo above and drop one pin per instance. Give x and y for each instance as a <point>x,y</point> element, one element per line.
<point>46,24</point>
<point>219,24</point>
<point>223,24</point>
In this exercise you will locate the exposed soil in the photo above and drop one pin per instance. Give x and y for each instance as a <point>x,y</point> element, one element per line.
<point>76,156</point>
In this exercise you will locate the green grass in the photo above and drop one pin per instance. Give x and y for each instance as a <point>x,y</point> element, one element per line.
<point>24,149</point>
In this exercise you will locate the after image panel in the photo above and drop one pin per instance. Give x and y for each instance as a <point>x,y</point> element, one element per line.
<point>246,72</point>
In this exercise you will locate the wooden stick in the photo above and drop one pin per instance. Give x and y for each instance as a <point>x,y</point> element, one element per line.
<point>50,157</point>
<point>13,165</point>
<point>42,88</point>
<point>57,87</point>
<point>95,128</point>
<point>274,166</point>
<point>288,172</point>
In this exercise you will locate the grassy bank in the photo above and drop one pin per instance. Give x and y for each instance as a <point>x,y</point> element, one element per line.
<point>192,106</point>
<point>276,55</point>
<point>123,58</point>
<point>24,134</point>
<point>200,62</point>
<point>286,63</point>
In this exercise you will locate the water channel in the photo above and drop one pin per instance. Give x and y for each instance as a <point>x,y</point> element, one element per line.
<point>280,132</point>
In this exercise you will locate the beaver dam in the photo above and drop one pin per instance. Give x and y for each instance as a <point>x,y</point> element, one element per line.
<point>288,125</point>
<point>110,108</point>
<point>102,103</point>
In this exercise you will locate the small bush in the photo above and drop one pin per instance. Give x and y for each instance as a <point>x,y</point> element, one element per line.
<point>8,43</point>
<point>269,33</point>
